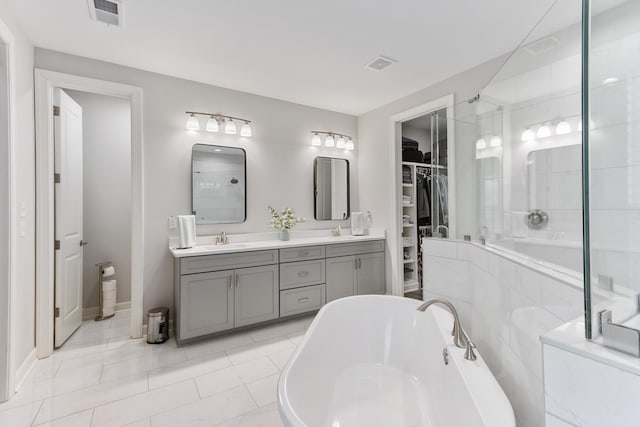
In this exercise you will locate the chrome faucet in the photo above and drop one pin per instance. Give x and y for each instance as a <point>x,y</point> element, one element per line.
<point>222,239</point>
<point>460,337</point>
<point>336,232</point>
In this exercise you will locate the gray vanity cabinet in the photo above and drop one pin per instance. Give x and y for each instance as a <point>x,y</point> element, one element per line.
<point>206,304</point>
<point>256,295</point>
<point>370,277</point>
<point>355,269</point>
<point>341,277</point>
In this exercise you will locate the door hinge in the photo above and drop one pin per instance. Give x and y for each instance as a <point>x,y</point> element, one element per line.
<point>56,178</point>
<point>56,110</point>
<point>56,245</point>
<point>56,312</point>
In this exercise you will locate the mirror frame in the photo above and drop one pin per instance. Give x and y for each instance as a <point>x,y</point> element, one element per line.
<point>315,187</point>
<point>246,185</point>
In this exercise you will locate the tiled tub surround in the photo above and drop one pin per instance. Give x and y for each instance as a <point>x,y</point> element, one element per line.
<point>587,384</point>
<point>102,378</point>
<point>506,304</point>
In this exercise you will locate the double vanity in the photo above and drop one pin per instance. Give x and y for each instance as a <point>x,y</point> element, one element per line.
<point>225,288</point>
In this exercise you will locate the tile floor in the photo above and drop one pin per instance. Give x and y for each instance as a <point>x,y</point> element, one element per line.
<point>102,378</point>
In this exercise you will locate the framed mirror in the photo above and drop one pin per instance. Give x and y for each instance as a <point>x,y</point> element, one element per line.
<point>331,189</point>
<point>218,184</point>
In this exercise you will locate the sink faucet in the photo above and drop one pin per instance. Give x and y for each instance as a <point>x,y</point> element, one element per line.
<point>222,239</point>
<point>336,232</point>
<point>460,337</point>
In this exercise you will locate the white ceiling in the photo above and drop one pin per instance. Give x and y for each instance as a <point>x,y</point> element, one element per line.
<point>312,53</point>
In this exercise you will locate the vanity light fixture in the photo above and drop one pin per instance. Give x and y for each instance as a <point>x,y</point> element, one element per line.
<point>216,120</point>
<point>316,141</point>
<point>332,140</point>
<point>544,131</point>
<point>495,141</point>
<point>193,123</point>
<point>212,124</point>
<point>563,128</point>
<point>230,128</point>
<point>528,135</point>
<point>245,130</point>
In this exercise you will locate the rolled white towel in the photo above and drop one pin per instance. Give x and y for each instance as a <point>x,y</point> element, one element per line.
<point>187,231</point>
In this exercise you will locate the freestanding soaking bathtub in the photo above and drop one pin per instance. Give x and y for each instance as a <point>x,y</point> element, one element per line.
<point>375,361</point>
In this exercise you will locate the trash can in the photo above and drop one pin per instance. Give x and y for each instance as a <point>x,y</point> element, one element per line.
<point>158,325</point>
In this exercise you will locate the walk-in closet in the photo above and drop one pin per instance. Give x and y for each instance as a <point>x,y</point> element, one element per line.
<point>425,191</point>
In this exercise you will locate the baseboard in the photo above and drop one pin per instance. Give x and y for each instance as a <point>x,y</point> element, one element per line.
<point>90,313</point>
<point>25,367</point>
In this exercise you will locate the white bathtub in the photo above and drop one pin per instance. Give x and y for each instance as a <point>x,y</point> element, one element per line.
<point>370,361</point>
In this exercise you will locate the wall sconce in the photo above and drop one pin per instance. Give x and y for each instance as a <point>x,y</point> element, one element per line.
<point>216,120</point>
<point>332,140</point>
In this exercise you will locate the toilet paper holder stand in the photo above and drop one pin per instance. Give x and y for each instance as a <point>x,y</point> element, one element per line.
<point>101,267</point>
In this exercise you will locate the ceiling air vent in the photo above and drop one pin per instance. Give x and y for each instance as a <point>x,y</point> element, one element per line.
<point>543,45</point>
<point>107,11</point>
<point>380,63</point>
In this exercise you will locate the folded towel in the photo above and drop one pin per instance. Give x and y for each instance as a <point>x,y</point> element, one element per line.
<point>187,231</point>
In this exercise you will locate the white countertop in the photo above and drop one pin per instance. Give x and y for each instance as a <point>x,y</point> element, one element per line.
<point>263,241</point>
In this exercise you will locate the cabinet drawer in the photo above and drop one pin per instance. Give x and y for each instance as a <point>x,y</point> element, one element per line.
<point>344,249</point>
<point>301,300</point>
<point>301,254</point>
<point>305,273</point>
<point>230,261</point>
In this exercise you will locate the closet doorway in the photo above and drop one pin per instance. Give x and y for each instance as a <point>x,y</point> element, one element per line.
<point>424,156</point>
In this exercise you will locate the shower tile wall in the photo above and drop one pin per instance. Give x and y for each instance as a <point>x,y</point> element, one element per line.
<point>506,307</point>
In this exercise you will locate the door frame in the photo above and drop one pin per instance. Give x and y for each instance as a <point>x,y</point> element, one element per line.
<point>45,82</point>
<point>395,247</point>
<point>7,293</point>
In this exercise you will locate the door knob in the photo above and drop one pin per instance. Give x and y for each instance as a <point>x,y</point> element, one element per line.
<point>83,243</point>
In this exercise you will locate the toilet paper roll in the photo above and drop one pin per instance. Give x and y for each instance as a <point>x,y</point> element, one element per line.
<point>108,285</point>
<point>109,271</point>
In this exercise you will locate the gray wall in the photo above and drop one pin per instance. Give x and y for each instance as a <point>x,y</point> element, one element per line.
<point>106,132</point>
<point>279,156</point>
<point>23,297</point>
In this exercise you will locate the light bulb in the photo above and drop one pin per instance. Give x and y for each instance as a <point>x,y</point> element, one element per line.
<point>340,143</point>
<point>349,145</point>
<point>193,123</point>
<point>212,125</point>
<point>563,128</point>
<point>528,135</point>
<point>245,130</point>
<point>544,131</point>
<point>481,144</point>
<point>496,141</point>
<point>230,128</point>
<point>610,81</point>
<point>315,140</point>
<point>329,142</point>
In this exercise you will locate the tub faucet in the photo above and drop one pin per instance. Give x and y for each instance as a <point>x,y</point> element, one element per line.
<point>446,230</point>
<point>222,239</point>
<point>460,337</point>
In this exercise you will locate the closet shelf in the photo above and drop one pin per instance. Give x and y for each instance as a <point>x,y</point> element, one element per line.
<point>408,261</point>
<point>407,225</point>
<point>404,184</point>
<point>408,206</point>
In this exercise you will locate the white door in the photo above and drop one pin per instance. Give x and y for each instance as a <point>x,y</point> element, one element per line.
<point>68,216</point>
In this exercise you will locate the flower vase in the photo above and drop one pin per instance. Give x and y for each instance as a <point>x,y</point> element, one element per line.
<point>284,234</point>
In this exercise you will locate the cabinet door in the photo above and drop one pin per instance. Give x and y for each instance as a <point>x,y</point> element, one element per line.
<point>370,278</point>
<point>206,303</point>
<point>341,277</point>
<point>256,295</point>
